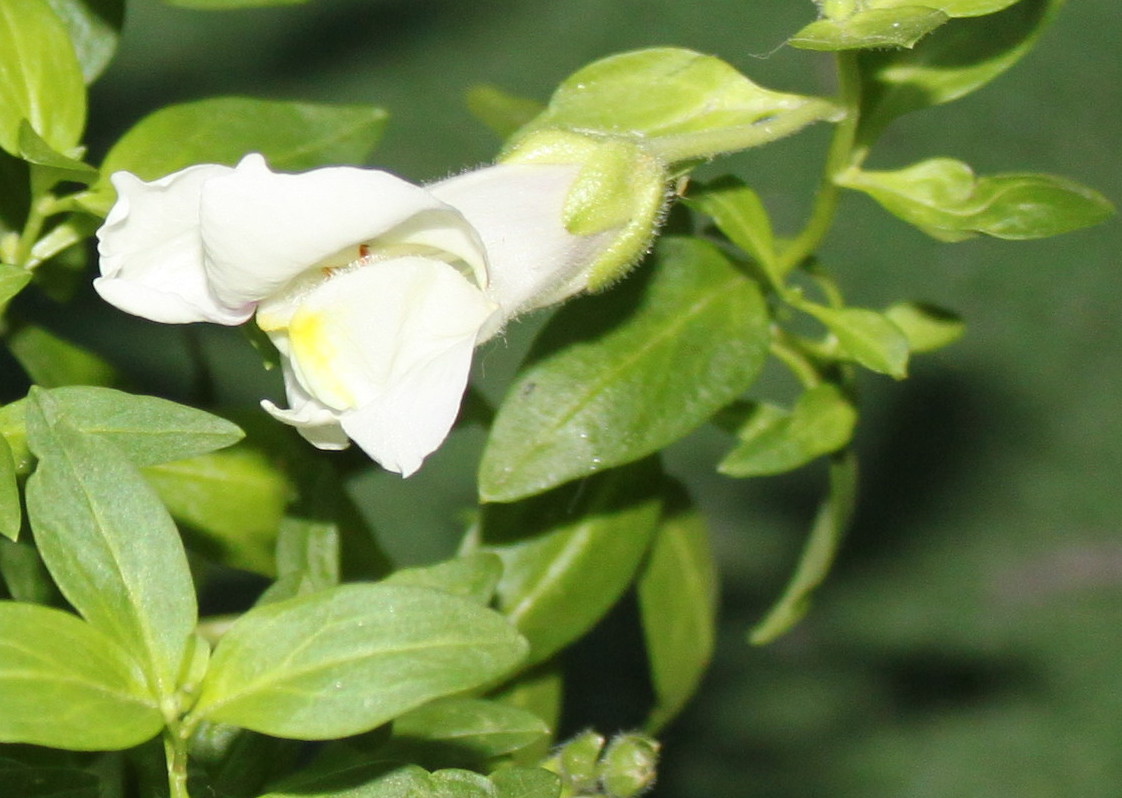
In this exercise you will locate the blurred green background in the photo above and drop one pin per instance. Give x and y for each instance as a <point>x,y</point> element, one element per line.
<point>968,643</point>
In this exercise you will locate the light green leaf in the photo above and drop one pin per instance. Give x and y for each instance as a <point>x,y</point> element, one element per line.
<point>864,336</point>
<point>569,555</point>
<point>502,112</point>
<point>52,166</point>
<point>40,79</point>
<point>25,781</point>
<point>682,105</point>
<point>109,544</point>
<point>369,780</point>
<point>677,591</point>
<point>959,58</point>
<point>65,684</point>
<point>12,281</point>
<point>455,783</point>
<point>615,377</point>
<point>522,782</point>
<point>821,422</point>
<point>901,26</point>
<point>818,554</point>
<point>291,136</point>
<point>347,659</point>
<point>11,515</point>
<point>943,197</point>
<point>14,430</point>
<point>739,213</point>
<point>51,361</point>
<point>927,327</point>
<point>94,27</point>
<point>540,691</point>
<point>463,732</point>
<point>473,576</point>
<point>235,498</point>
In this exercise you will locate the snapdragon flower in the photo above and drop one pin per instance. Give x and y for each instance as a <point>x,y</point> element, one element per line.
<point>374,290</point>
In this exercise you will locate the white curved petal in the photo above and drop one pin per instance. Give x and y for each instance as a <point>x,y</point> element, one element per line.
<point>388,346</point>
<point>517,211</point>
<point>151,252</point>
<point>318,425</point>
<point>261,229</point>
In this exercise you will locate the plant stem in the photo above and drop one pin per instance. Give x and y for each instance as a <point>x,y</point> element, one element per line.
<point>175,751</point>
<point>41,209</point>
<point>842,155</point>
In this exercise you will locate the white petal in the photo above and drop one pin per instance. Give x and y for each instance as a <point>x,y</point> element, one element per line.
<point>261,229</point>
<point>318,424</point>
<point>388,346</point>
<point>151,252</point>
<point>517,210</point>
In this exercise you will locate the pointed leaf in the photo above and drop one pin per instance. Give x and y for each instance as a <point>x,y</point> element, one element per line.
<point>11,515</point>
<point>818,554</point>
<point>821,422</point>
<point>345,660</point>
<point>368,780</point>
<point>944,198</point>
<point>40,79</point>
<point>678,604</point>
<point>67,685</point>
<point>13,279</point>
<point>94,27</point>
<point>502,112</point>
<point>54,167</point>
<point>901,26</point>
<point>739,213</point>
<point>927,327</point>
<point>473,576</point>
<point>866,337</point>
<point>569,555</point>
<point>680,104</point>
<point>615,377</point>
<point>463,731</point>
<point>109,543</point>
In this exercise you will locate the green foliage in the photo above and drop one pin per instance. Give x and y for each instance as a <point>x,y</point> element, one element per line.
<point>94,27</point>
<point>11,515</point>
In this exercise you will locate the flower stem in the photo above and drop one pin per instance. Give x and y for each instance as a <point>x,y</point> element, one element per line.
<point>842,155</point>
<point>175,751</point>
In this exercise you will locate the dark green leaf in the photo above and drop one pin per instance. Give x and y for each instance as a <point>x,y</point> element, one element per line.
<point>944,198</point>
<point>51,361</point>
<point>109,543</point>
<point>24,574</point>
<point>818,554</point>
<point>821,422</point>
<point>569,555</point>
<point>473,576</point>
<point>615,377</point>
<point>24,781</point>
<point>901,26</point>
<point>235,498</point>
<point>927,327</point>
<point>347,659</point>
<point>463,732</point>
<point>739,213</point>
<point>215,5</point>
<point>678,603</point>
<point>94,27</point>
<point>370,780</point>
<point>520,782</point>
<point>539,691</point>
<point>40,79</point>
<point>502,112</point>
<point>12,281</point>
<point>11,515</point>
<point>866,337</point>
<point>65,684</point>
<point>960,57</point>
<point>680,104</point>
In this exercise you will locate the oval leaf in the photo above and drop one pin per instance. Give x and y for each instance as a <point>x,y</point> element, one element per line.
<point>866,337</point>
<point>901,26</point>
<point>344,660</point>
<point>67,685</point>
<point>927,327</point>
<point>109,543</point>
<point>462,732</point>
<point>681,104</point>
<point>615,377</point>
<point>569,555</point>
<point>740,214</point>
<point>473,576</point>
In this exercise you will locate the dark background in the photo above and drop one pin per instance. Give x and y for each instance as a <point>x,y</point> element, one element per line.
<point>968,642</point>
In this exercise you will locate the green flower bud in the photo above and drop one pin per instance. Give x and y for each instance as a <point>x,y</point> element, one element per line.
<point>628,766</point>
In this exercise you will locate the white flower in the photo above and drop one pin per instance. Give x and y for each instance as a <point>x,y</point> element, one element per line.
<point>375,291</point>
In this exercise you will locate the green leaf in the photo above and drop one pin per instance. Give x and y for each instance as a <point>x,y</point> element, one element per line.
<point>677,591</point>
<point>234,498</point>
<point>14,431</point>
<point>291,136</point>
<point>821,422</point>
<point>12,281</point>
<point>345,660</point>
<point>463,732</point>
<point>864,336</point>
<point>24,781</point>
<point>960,57</point>
<point>65,684</point>
<point>51,361</point>
<point>943,197</point>
<point>24,574</point>
<point>739,213</point>
<point>94,27</point>
<point>368,780</point>
<point>680,104</point>
<point>11,515</point>
<point>502,112</point>
<point>109,544</point>
<point>40,79</point>
<point>901,26</point>
<point>522,782</point>
<point>215,5</point>
<point>570,554</point>
<point>615,377</point>
<point>53,166</point>
<point>818,555</point>
<point>455,783</point>
<point>927,327</point>
<point>540,691</point>
<point>473,576</point>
